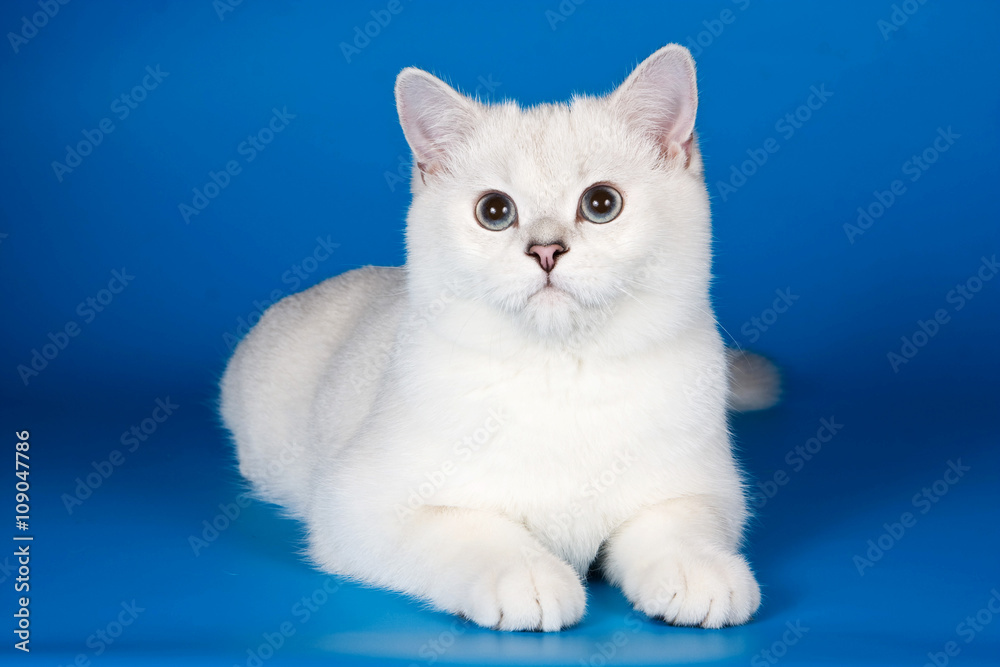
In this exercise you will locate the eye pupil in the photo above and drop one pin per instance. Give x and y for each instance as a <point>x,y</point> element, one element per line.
<point>496,212</point>
<point>600,204</point>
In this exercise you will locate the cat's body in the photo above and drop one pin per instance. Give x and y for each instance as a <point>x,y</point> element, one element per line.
<point>478,427</point>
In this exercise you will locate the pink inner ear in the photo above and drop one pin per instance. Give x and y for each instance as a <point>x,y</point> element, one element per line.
<point>661,97</point>
<point>674,149</point>
<point>433,116</point>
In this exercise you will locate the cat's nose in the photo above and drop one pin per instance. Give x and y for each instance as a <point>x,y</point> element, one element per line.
<point>547,254</point>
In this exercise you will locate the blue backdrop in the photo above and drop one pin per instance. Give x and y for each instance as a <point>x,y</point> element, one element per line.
<point>171,168</point>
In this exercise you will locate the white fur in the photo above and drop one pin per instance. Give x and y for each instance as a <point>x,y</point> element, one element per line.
<point>457,431</point>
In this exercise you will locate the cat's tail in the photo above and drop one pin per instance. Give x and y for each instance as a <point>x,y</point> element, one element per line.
<point>754,381</point>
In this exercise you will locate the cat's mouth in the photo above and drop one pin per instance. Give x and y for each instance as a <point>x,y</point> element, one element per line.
<point>550,291</point>
<point>549,285</point>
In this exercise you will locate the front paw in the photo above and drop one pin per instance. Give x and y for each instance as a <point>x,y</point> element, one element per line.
<point>704,589</point>
<point>539,592</point>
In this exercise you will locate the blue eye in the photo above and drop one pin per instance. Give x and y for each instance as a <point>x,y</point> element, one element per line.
<point>496,211</point>
<point>600,204</point>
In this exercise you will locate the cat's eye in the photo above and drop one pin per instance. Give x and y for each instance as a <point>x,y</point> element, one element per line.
<point>600,204</point>
<point>496,211</point>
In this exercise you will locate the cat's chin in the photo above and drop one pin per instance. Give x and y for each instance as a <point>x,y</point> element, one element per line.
<point>552,312</point>
<point>551,297</point>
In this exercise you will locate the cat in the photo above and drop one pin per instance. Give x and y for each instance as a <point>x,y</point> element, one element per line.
<point>541,387</point>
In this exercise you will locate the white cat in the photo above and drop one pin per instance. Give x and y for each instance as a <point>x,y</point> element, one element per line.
<point>542,386</point>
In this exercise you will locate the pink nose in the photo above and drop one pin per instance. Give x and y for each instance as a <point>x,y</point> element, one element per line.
<point>547,254</point>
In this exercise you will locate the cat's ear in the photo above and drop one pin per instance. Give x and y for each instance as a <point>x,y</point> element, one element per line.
<point>434,117</point>
<point>660,97</point>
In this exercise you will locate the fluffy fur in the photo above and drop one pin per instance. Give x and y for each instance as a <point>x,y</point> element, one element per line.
<point>475,432</point>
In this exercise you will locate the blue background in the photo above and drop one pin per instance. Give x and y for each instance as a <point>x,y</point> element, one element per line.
<point>331,174</point>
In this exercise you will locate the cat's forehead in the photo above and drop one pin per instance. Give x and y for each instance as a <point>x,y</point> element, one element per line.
<point>553,145</point>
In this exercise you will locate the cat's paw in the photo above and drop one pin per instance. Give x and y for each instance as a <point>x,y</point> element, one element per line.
<point>705,589</point>
<point>539,592</point>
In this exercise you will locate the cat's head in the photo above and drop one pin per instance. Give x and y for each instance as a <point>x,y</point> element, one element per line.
<point>583,217</point>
